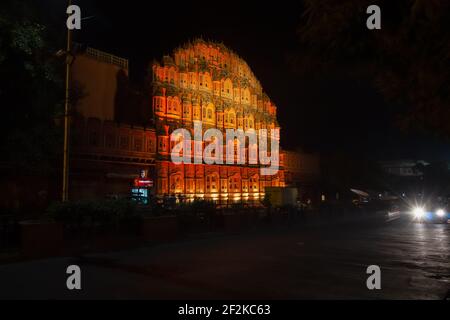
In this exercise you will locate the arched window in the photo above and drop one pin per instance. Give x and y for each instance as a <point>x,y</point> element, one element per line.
<point>227,88</point>
<point>159,104</point>
<point>162,144</point>
<point>212,183</point>
<point>176,106</point>
<point>176,183</point>
<point>234,183</point>
<point>245,96</point>
<point>210,112</point>
<point>248,122</point>
<point>186,110</point>
<point>207,80</point>
<point>169,105</point>
<point>231,118</point>
<point>254,183</point>
<point>172,76</point>
<point>193,77</point>
<point>196,112</point>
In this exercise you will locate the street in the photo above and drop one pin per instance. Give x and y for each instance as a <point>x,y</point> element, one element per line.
<point>285,262</point>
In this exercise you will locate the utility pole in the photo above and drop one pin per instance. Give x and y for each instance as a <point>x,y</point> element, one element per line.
<point>65,187</point>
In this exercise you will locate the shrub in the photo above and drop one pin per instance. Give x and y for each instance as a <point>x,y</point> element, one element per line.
<point>196,208</point>
<point>92,213</point>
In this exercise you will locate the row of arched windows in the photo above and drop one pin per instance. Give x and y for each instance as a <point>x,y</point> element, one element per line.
<point>205,113</point>
<point>213,184</point>
<point>173,105</point>
<point>203,81</point>
<point>214,55</point>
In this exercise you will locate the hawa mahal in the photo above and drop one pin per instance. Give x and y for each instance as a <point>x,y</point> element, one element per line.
<point>207,82</point>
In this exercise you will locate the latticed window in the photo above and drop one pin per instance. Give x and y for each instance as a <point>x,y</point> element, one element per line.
<point>175,185</point>
<point>187,111</point>
<point>159,107</point>
<point>150,145</point>
<point>169,105</point>
<point>211,183</point>
<point>253,184</point>
<point>162,144</point>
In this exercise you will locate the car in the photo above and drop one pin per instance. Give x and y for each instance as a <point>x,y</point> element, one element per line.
<point>436,211</point>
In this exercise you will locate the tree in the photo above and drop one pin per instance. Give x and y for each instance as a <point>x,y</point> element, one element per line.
<point>407,60</point>
<point>31,88</point>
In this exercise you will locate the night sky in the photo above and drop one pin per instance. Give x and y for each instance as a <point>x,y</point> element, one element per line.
<point>337,113</point>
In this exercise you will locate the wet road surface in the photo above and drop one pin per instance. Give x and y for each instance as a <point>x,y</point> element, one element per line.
<point>287,262</point>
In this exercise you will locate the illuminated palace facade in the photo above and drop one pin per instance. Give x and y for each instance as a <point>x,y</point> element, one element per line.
<point>113,139</point>
<point>207,82</point>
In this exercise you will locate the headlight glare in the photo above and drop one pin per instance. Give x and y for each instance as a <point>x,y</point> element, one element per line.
<point>440,213</point>
<point>418,212</point>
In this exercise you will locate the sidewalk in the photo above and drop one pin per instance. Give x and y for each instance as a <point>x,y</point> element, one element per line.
<point>260,225</point>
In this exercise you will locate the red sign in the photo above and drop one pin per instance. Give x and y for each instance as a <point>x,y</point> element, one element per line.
<point>140,182</point>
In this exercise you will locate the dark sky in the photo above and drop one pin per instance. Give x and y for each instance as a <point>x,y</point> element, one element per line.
<point>332,114</point>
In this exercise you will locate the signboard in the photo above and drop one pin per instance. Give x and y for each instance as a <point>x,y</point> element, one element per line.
<point>143,181</point>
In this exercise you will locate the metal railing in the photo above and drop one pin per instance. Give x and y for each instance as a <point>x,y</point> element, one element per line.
<point>107,57</point>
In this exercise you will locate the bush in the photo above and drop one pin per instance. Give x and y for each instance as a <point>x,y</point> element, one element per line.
<point>196,208</point>
<point>92,213</point>
<point>238,206</point>
<point>197,213</point>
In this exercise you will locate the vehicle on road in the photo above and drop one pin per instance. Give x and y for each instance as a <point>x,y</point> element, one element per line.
<point>433,211</point>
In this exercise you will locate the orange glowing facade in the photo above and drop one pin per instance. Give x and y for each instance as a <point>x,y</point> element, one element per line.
<point>207,82</point>
<point>201,81</point>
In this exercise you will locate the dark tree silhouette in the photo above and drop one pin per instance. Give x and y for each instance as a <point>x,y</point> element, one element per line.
<point>31,88</point>
<point>407,60</point>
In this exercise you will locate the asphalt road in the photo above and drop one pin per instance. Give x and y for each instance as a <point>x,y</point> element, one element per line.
<point>287,262</point>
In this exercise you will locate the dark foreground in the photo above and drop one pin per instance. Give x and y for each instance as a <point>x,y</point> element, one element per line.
<point>288,262</point>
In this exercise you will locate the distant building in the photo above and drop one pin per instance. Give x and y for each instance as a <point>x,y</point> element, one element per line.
<point>107,152</point>
<point>302,170</point>
<point>403,168</point>
<point>96,79</point>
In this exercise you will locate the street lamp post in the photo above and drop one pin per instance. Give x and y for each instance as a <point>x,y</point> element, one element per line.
<point>65,187</point>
